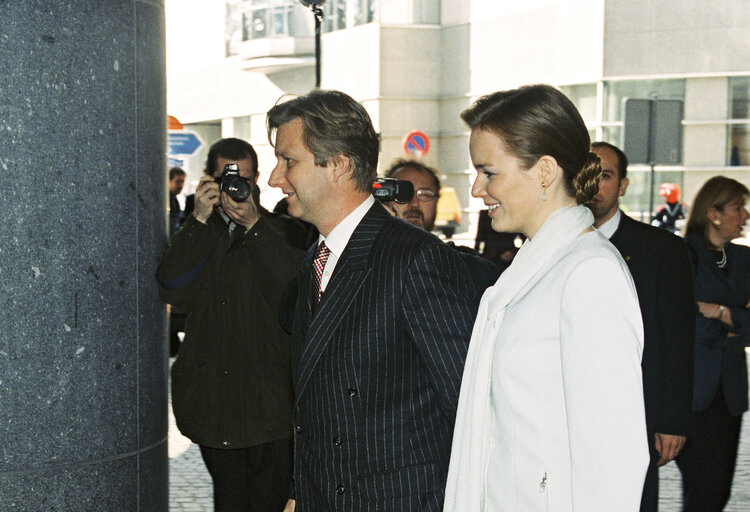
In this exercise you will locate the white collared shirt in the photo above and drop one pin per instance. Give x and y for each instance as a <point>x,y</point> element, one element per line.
<point>338,238</point>
<point>608,228</point>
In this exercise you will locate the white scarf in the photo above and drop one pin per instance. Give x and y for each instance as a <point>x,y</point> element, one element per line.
<point>469,455</point>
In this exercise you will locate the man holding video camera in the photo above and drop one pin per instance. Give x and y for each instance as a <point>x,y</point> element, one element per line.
<point>227,268</point>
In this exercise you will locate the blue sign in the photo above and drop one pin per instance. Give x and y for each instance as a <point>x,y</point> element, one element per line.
<point>175,162</point>
<point>183,143</point>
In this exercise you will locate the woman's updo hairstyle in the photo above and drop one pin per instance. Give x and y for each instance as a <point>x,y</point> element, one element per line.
<point>538,120</point>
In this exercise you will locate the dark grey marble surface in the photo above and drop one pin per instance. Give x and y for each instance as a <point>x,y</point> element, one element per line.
<point>83,358</point>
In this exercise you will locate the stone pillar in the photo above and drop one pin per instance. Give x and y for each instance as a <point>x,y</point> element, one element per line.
<point>83,354</point>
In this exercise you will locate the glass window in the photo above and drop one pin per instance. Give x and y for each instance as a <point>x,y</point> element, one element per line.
<point>739,108</point>
<point>426,12</point>
<point>739,97</point>
<point>583,97</point>
<point>364,11</point>
<point>334,15</point>
<point>233,26</point>
<point>256,19</point>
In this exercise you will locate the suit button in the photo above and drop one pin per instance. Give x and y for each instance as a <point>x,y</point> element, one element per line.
<point>298,429</point>
<point>352,392</point>
<point>339,489</point>
<point>337,441</point>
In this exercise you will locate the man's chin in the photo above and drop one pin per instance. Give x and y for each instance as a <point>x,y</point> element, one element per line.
<point>416,221</point>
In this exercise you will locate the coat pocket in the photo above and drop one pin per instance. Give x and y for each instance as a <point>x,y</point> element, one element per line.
<point>418,479</point>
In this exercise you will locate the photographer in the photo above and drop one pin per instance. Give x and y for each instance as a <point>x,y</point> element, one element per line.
<point>231,383</point>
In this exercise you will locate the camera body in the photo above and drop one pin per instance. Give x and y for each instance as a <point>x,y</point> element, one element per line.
<point>389,189</point>
<point>236,187</point>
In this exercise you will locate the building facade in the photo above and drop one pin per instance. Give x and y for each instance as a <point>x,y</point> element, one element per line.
<point>416,64</point>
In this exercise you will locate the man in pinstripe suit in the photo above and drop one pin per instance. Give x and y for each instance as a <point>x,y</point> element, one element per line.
<point>380,337</point>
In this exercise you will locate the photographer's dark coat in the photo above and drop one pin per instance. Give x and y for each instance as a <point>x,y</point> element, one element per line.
<point>231,383</point>
<point>377,370</point>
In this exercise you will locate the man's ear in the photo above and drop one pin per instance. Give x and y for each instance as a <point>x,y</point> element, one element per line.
<point>341,166</point>
<point>623,186</point>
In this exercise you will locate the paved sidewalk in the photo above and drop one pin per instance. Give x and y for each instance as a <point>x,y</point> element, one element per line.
<point>190,485</point>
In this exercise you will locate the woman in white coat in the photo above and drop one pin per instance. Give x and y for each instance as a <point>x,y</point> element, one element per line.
<point>550,415</point>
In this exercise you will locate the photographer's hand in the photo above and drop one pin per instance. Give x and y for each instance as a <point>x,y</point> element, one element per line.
<point>206,198</point>
<point>244,213</point>
<point>393,209</point>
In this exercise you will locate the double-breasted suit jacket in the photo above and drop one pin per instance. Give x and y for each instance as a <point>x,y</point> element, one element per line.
<point>659,263</point>
<point>377,368</point>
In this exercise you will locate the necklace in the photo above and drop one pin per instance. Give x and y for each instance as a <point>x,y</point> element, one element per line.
<point>723,261</point>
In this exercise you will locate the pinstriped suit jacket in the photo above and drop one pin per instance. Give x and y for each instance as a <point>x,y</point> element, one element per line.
<point>377,370</point>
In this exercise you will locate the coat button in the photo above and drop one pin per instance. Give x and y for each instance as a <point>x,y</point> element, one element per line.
<point>298,429</point>
<point>352,392</point>
<point>339,489</point>
<point>337,441</point>
<point>226,443</point>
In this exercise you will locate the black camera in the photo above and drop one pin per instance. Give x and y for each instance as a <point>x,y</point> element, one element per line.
<point>388,189</point>
<point>237,187</point>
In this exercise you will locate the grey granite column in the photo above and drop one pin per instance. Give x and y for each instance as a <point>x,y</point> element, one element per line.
<point>83,361</point>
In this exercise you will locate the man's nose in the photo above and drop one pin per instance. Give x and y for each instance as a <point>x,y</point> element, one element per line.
<point>274,179</point>
<point>414,202</point>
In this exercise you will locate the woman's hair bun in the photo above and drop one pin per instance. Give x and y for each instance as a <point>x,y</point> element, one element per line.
<point>586,182</point>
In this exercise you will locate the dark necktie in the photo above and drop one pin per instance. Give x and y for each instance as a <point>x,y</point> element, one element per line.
<point>318,265</point>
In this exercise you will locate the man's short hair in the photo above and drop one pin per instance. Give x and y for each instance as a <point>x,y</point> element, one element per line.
<point>175,171</point>
<point>334,125</point>
<point>622,160</point>
<point>403,163</point>
<point>231,149</point>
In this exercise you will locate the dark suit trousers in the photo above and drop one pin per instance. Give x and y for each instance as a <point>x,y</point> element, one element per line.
<point>707,462</point>
<point>254,479</point>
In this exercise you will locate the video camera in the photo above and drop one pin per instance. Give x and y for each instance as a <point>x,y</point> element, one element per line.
<point>237,187</point>
<point>389,189</point>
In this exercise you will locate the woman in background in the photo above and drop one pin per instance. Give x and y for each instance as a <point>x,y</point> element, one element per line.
<point>722,289</point>
<point>550,415</point>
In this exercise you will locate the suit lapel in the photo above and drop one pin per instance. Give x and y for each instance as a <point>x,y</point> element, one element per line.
<point>620,237</point>
<point>352,270</point>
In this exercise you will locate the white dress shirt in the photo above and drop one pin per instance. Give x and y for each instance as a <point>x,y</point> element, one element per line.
<point>338,238</point>
<point>608,228</point>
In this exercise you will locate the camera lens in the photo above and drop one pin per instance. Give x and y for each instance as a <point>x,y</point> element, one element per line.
<point>237,188</point>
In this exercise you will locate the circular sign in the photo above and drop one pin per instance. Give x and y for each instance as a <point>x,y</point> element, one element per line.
<point>416,143</point>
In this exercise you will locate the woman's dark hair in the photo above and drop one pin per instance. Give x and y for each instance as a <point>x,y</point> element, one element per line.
<point>717,192</point>
<point>538,120</point>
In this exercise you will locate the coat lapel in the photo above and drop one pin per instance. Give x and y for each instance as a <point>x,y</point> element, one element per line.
<point>346,283</point>
<point>620,237</point>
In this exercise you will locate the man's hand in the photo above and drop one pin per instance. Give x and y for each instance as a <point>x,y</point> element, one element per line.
<point>244,213</point>
<point>289,506</point>
<point>668,446</point>
<point>393,209</point>
<point>206,198</point>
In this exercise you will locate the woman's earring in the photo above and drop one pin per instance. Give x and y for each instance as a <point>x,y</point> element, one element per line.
<point>717,223</point>
<point>544,192</point>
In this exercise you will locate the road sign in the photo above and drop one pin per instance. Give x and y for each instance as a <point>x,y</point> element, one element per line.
<point>652,131</point>
<point>652,134</point>
<point>183,143</point>
<point>416,143</point>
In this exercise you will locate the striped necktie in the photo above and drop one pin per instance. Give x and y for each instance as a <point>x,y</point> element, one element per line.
<point>318,265</point>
